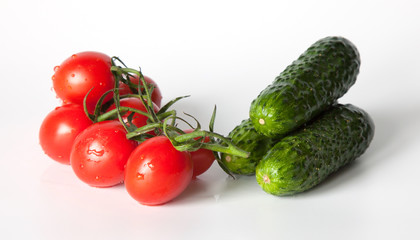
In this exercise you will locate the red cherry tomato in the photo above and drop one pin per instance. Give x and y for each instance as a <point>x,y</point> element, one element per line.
<point>202,158</point>
<point>156,172</point>
<point>81,72</point>
<point>156,94</point>
<point>138,120</point>
<point>59,129</point>
<point>100,152</point>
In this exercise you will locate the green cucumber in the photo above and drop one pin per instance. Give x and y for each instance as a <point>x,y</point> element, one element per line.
<point>248,139</point>
<point>321,75</point>
<point>307,156</point>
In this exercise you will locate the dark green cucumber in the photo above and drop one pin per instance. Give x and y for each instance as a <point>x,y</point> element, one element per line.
<point>321,75</point>
<point>248,139</point>
<point>307,156</point>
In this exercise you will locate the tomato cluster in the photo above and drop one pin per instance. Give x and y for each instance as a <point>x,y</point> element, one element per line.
<point>102,131</point>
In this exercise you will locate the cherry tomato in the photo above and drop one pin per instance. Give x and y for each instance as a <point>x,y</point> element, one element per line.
<point>81,72</point>
<point>156,94</point>
<point>100,152</point>
<point>59,129</point>
<point>138,120</point>
<point>202,158</point>
<point>156,172</point>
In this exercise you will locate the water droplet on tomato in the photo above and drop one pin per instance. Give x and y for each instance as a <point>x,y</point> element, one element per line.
<point>73,56</point>
<point>97,178</point>
<point>72,75</point>
<point>140,176</point>
<point>86,79</point>
<point>98,153</point>
<point>56,68</point>
<point>82,166</point>
<point>150,165</point>
<point>100,84</point>
<point>53,77</point>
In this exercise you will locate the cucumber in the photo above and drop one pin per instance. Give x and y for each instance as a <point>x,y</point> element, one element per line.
<point>248,139</point>
<point>307,156</point>
<point>321,75</point>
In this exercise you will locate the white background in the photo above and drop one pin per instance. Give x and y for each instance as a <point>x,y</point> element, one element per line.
<point>223,53</point>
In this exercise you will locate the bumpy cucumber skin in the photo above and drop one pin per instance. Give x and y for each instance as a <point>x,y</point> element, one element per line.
<point>321,75</point>
<point>306,157</point>
<point>248,139</point>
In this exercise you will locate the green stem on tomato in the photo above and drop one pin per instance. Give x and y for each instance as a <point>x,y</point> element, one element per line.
<point>117,75</point>
<point>229,148</point>
<point>147,100</point>
<point>125,70</point>
<point>212,120</point>
<point>144,129</point>
<point>111,114</point>
<point>90,116</point>
<point>169,104</point>
<point>165,115</point>
<point>98,106</point>
<point>182,141</point>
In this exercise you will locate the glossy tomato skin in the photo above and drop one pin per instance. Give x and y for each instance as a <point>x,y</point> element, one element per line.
<point>156,94</point>
<point>138,120</point>
<point>156,172</point>
<point>100,152</point>
<point>59,130</point>
<point>81,72</point>
<point>202,158</point>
